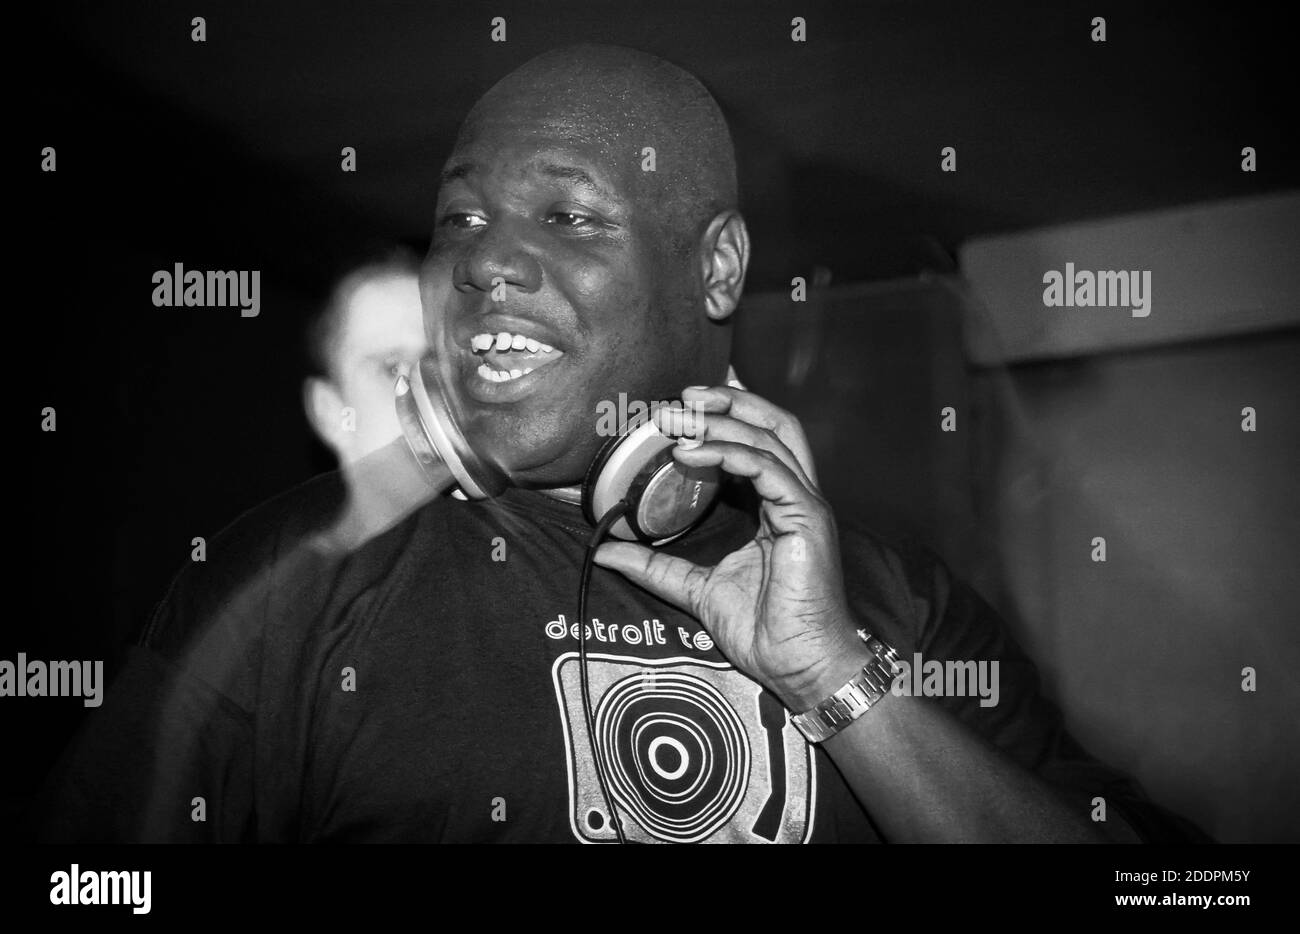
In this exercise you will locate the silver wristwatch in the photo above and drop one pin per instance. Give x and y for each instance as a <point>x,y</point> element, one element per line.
<point>864,689</point>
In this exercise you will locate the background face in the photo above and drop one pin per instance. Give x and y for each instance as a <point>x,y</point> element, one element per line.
<point>381,336</point>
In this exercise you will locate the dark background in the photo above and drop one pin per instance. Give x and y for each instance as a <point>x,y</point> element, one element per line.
<point>225,155</point>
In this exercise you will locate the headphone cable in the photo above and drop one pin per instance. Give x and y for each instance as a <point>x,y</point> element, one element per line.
<point>602,529</point>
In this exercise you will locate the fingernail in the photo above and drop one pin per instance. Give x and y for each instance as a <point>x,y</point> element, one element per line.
<point>687,444</point>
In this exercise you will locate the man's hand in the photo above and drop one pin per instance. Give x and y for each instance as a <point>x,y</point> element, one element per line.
<point>778,611</point>
<point>775,607</point>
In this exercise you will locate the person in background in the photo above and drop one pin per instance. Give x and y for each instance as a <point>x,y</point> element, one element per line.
<point>369,332</point>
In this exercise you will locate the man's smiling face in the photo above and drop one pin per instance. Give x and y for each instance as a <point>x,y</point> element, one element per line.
<point>544,203</point>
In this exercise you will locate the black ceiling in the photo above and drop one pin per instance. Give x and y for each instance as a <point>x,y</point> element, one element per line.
<point>839,138</point>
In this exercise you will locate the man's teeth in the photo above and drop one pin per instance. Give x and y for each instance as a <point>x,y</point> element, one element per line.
<point>501,376</point>
<point>500,343</point>
<point>507,341</point>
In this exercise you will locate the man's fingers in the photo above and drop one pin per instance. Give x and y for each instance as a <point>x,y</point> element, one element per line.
<point>710,427</point>
<point>673,580</point>
<point>789,503</point>
<point>747,407</point>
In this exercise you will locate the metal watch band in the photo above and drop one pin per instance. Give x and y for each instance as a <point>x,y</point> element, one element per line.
<point>863,690</point>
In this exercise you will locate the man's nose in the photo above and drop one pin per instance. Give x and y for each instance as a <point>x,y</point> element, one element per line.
<point>498,255</point>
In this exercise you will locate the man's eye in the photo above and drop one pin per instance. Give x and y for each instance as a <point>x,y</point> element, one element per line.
<point>570,219</point>
<point>462,221</point>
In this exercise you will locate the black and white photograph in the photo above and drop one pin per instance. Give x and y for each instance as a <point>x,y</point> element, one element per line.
<point>655,423</point>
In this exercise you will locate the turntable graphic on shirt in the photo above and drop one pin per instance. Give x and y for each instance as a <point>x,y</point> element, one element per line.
<point>695,751</point>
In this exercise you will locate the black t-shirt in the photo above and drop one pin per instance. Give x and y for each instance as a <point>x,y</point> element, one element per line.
<point>426,688</point>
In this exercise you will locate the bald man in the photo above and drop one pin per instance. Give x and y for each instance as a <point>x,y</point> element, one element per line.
<point>429,686</point>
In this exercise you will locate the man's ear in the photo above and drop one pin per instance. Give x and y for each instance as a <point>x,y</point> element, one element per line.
<point>324,408</point>
<point>724,256</point>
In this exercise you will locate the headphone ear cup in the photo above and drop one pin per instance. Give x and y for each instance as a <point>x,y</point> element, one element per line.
<point>665,499</point>
<point>433,435</point>
<point>594,469</point>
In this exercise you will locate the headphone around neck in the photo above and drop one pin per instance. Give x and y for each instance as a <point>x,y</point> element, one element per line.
<point>661,500</point>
